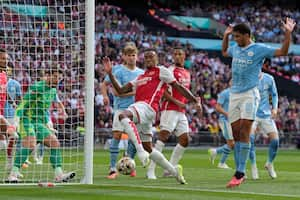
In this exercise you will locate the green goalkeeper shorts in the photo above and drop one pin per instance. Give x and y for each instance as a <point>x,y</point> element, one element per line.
<point>27,128</point>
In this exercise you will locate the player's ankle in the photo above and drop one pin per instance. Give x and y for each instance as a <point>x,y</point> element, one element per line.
<point>239,175</point>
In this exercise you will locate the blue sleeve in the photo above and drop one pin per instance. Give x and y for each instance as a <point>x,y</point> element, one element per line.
<point>18,89</point>
<point>274,93</point>
<point>230,51</point>
<point>267,51</point>
<point>221,99</point>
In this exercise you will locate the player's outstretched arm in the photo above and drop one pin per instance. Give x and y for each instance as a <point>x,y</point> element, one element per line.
<point>170,98</point>
<point>289,26</point>
<point>225,42</point>
<point>108,69</point>
<point>187,94</point>
<point>220,109</point>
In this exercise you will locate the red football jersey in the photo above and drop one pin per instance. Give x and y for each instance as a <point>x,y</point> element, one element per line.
<point>3,83</point>
<point>150,86</point>
<point>182,76</point>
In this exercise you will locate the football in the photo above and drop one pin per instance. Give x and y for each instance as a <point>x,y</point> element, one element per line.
<point>125,165</point>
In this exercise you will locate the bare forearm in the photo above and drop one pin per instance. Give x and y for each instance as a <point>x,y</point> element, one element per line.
<point>172,99</point>
<point>115,83</point>
<point>225,43</point>
<point>120,90</point>
<point>127,94</point>
<point>220,110</point>
<point>185,92</point>
<point>286,43</point>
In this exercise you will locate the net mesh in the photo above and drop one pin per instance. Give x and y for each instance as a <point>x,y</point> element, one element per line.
<point>40,34</point>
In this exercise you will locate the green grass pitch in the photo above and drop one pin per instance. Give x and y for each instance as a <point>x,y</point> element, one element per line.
<point>205,181</point>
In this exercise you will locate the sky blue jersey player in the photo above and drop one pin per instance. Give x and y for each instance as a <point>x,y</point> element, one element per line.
<point>14,95</point>
<point>247,60</point>
<point>124,74</point>
<point>222,108</point>
<point>264,121</point>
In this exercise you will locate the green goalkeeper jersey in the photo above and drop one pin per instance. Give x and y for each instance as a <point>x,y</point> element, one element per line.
<point>36,102</point>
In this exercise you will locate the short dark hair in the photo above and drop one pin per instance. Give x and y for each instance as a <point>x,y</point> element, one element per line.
<point>150,49</point>
<point>242,28</point>
<point>179,48</point>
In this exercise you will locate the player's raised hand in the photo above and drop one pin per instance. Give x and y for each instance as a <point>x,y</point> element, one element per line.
<point>228,30</point>
<point>289,24</point>
<point>107,64</point>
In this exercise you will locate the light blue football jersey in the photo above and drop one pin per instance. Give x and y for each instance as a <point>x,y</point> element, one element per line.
<point>123,76</point>
<point>267,87</point>
<point>223,100</point>
<point>246,65</point>
<point>13,91</point>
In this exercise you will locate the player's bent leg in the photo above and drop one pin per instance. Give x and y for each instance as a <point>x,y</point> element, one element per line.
<point>131,129</point>
<point>56,159</point>
<point>226,151</point>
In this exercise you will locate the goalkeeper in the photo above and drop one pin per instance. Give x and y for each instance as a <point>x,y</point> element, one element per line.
<point>32,114</point>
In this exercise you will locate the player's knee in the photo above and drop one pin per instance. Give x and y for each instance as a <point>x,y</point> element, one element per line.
<point>125,114</point>
<point>163,136</point>
<point>183,140</point>
<point>147,146</point>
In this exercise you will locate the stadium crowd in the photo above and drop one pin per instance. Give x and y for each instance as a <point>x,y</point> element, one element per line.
<point>34,50</point>
<point>253,12</point>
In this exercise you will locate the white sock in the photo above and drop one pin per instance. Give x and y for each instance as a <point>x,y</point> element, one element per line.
<point>159,145</point>
<point>132,132</point>
<point>160,159</point>
<point>3,144</point>
<point>177,154</point>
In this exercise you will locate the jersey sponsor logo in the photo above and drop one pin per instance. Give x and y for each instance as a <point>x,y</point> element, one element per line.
<point>151,73</point>
<point>143,81</point>
<point>241,62</point>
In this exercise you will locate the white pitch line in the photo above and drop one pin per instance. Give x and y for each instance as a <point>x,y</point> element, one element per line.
<point>202,190</point>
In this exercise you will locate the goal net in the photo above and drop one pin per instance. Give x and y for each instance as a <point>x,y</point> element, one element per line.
<point>39,35</point>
